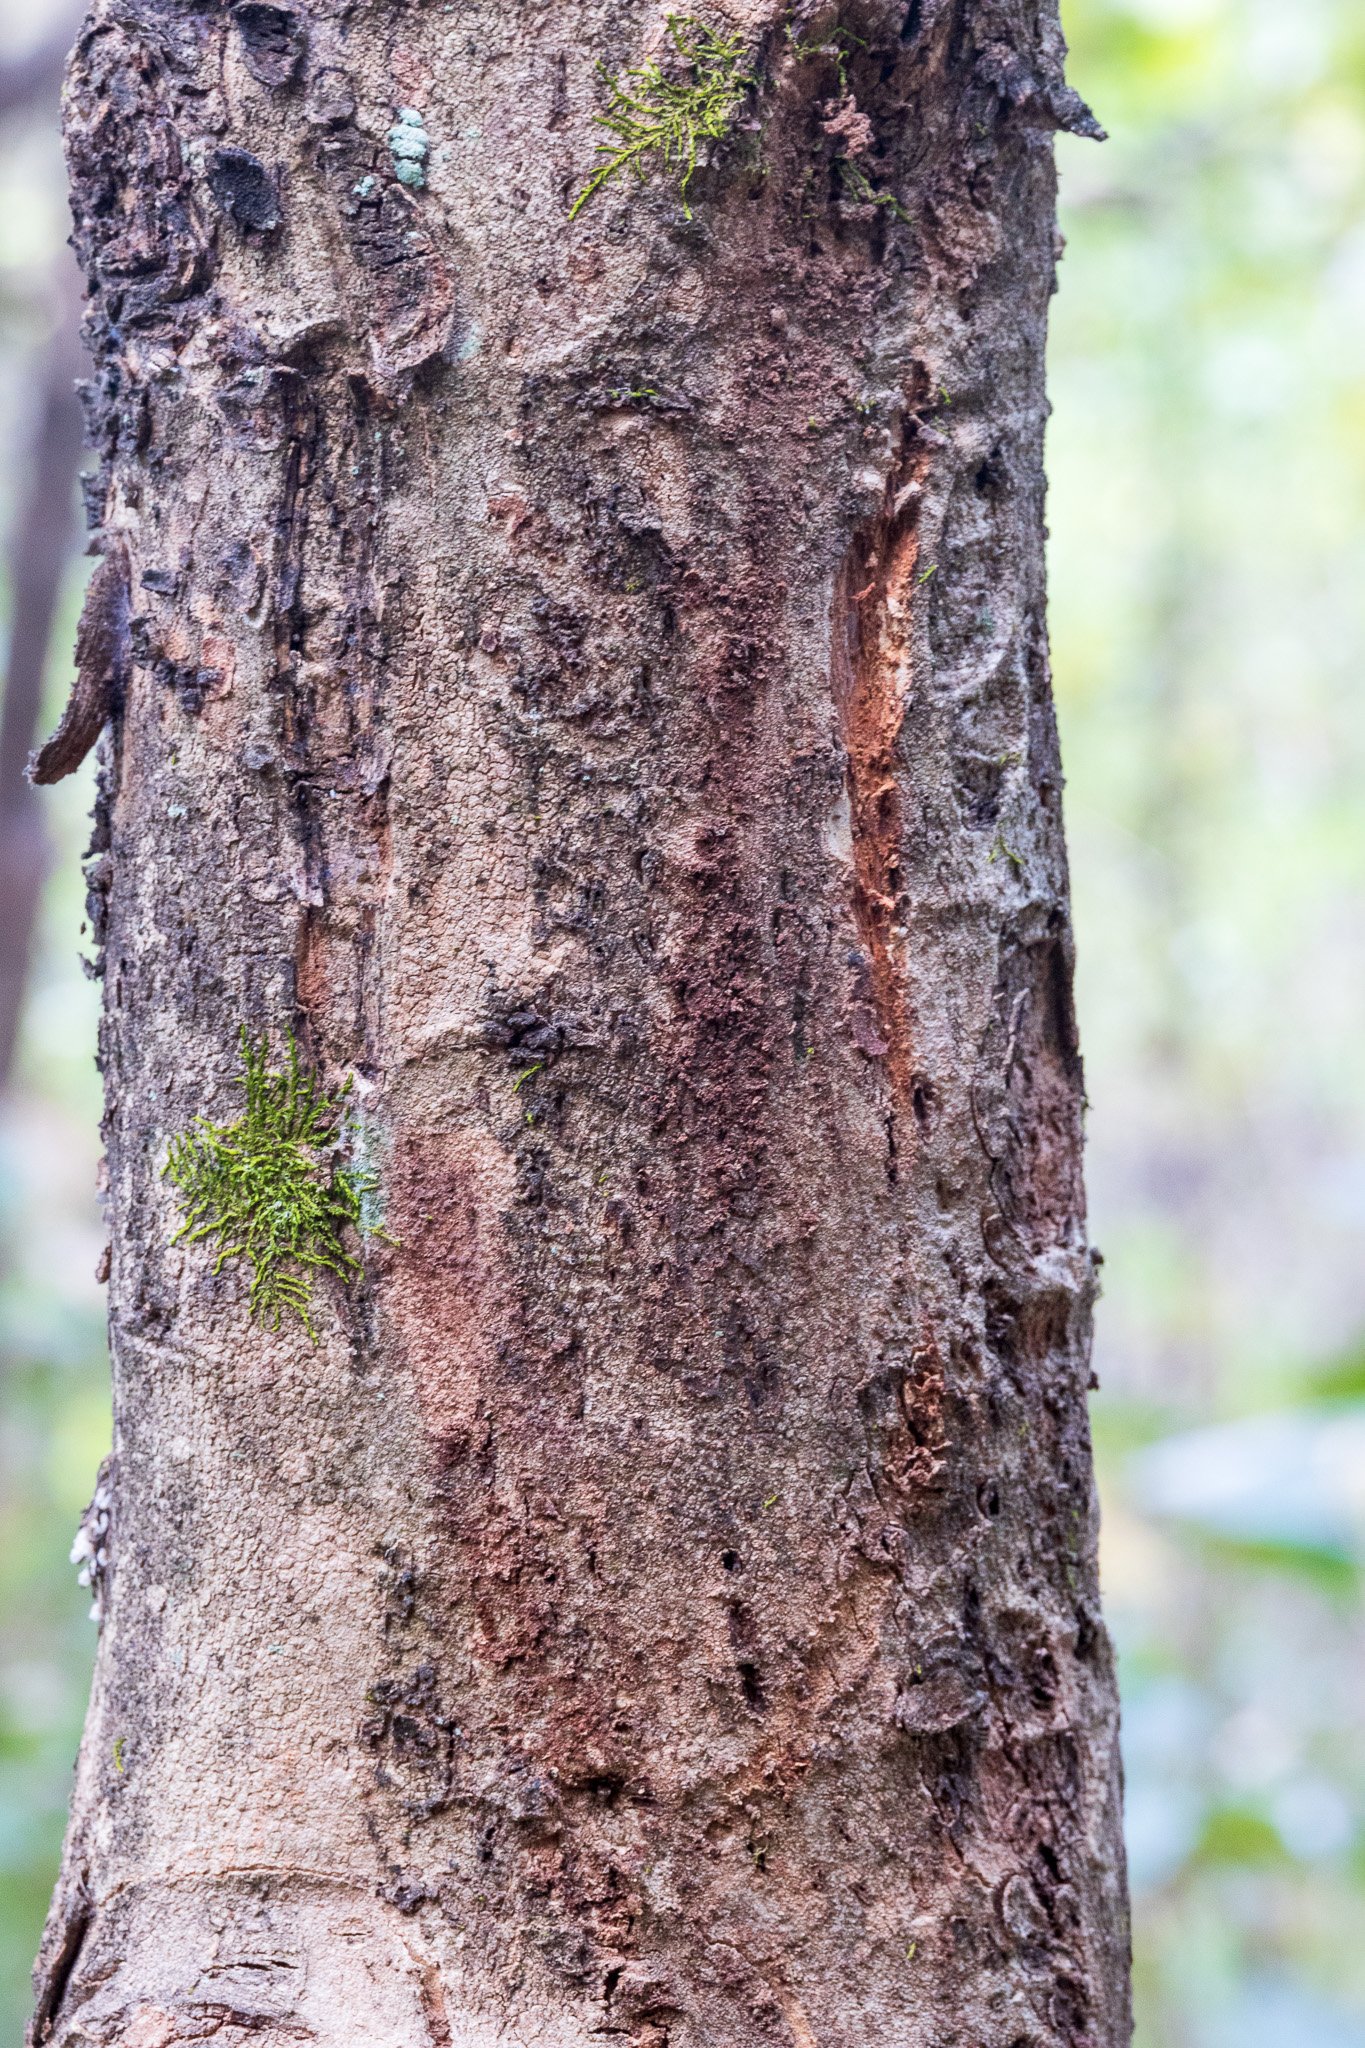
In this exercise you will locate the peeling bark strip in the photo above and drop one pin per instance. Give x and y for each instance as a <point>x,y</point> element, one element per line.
<point>872,655</point>
<point>101,672</point>
<point>587,681</point>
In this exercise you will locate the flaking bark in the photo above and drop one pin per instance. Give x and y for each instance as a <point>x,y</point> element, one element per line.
<point>589,682</point>
<point>102,653</point>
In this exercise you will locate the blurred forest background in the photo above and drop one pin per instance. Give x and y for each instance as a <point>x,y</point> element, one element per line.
<point>1208,561</point>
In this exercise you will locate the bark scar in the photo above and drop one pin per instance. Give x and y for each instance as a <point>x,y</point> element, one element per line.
<point>101,672</point>
<point>871,642</point>
<point>62,1948</point>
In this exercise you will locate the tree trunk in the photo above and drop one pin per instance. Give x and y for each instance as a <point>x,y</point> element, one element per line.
<point>586,680</point>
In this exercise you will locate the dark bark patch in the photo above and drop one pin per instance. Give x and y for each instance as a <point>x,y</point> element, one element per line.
<point>273,41</point>
<point>743,1638</point>
<point>245,190</point>
<point>405,292</point>
<point>139,234</point>
<point>1028,1095</point>
<point>412,1741</point>
<point>945,1689</point>
<point>331,98</point>
<point>63,1941</point>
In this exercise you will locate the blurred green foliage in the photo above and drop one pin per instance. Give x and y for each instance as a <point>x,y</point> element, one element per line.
<point>1207,464</point>
<point>1208,513</point>
<point>54,1407</point>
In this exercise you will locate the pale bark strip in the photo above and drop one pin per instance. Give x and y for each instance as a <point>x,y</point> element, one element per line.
<point>590,682</point>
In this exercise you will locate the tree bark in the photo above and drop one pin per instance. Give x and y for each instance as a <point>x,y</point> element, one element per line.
<point>588,681</point>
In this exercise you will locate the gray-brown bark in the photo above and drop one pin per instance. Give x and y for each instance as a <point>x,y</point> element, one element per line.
<point>589,680</point>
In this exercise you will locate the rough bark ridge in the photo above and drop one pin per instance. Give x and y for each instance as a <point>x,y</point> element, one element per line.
<point>590,681</point>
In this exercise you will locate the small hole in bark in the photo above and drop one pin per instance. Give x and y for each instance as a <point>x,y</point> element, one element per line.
<point>988,1498</point>
<point>752,1686</point>
<point>730,1560</point>
<point>1043,1678</point>
<point>1068,2009</point>
<point>910,26</point>
<point>990,476</point>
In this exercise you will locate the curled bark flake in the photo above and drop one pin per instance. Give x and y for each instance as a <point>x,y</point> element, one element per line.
<point>1046,100</point>
<point>101,673</point>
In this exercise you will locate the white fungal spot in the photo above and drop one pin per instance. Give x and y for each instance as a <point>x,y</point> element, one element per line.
<point>838,833</point>
<point>91,1548</point>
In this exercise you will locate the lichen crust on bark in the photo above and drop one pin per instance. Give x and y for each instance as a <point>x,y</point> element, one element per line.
<point>587,680</point>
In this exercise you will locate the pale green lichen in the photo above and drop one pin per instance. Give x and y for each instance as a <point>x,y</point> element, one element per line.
<point>409,146</point>
<point>270,1187</point>
<point>654,120</point>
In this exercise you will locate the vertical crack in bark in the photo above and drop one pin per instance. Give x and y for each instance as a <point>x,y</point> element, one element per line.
<point>57,1965</point>
<point>291,521</point>
<point>873,602</point>
<point>433,2000</point>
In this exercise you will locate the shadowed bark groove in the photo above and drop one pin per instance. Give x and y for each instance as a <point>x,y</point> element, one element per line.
<point>663,1604</point>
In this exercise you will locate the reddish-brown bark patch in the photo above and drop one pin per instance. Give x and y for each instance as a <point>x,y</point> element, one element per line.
<point>871,647</point>
<point>448,1292</point>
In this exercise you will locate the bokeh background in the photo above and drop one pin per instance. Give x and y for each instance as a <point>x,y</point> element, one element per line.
<point>1208,565</point>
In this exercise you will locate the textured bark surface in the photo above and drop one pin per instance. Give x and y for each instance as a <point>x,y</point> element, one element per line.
<point>663,1605</point>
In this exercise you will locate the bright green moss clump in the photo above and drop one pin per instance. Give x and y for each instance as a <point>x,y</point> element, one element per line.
<point>652,117</point>
<point>269,1188</point>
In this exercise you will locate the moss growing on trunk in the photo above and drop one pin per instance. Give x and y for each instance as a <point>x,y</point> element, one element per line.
<point>269,1188</point>
<point>655,119</point>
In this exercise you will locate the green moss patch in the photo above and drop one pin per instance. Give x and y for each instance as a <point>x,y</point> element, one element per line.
<point>658,122</point>
<point>271,1188</point>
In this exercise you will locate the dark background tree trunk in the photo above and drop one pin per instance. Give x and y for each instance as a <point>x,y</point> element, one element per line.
<point>37,557</point>
<point>588,681</point>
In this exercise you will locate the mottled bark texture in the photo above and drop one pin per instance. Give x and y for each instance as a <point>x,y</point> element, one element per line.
<point>663,1605</point>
